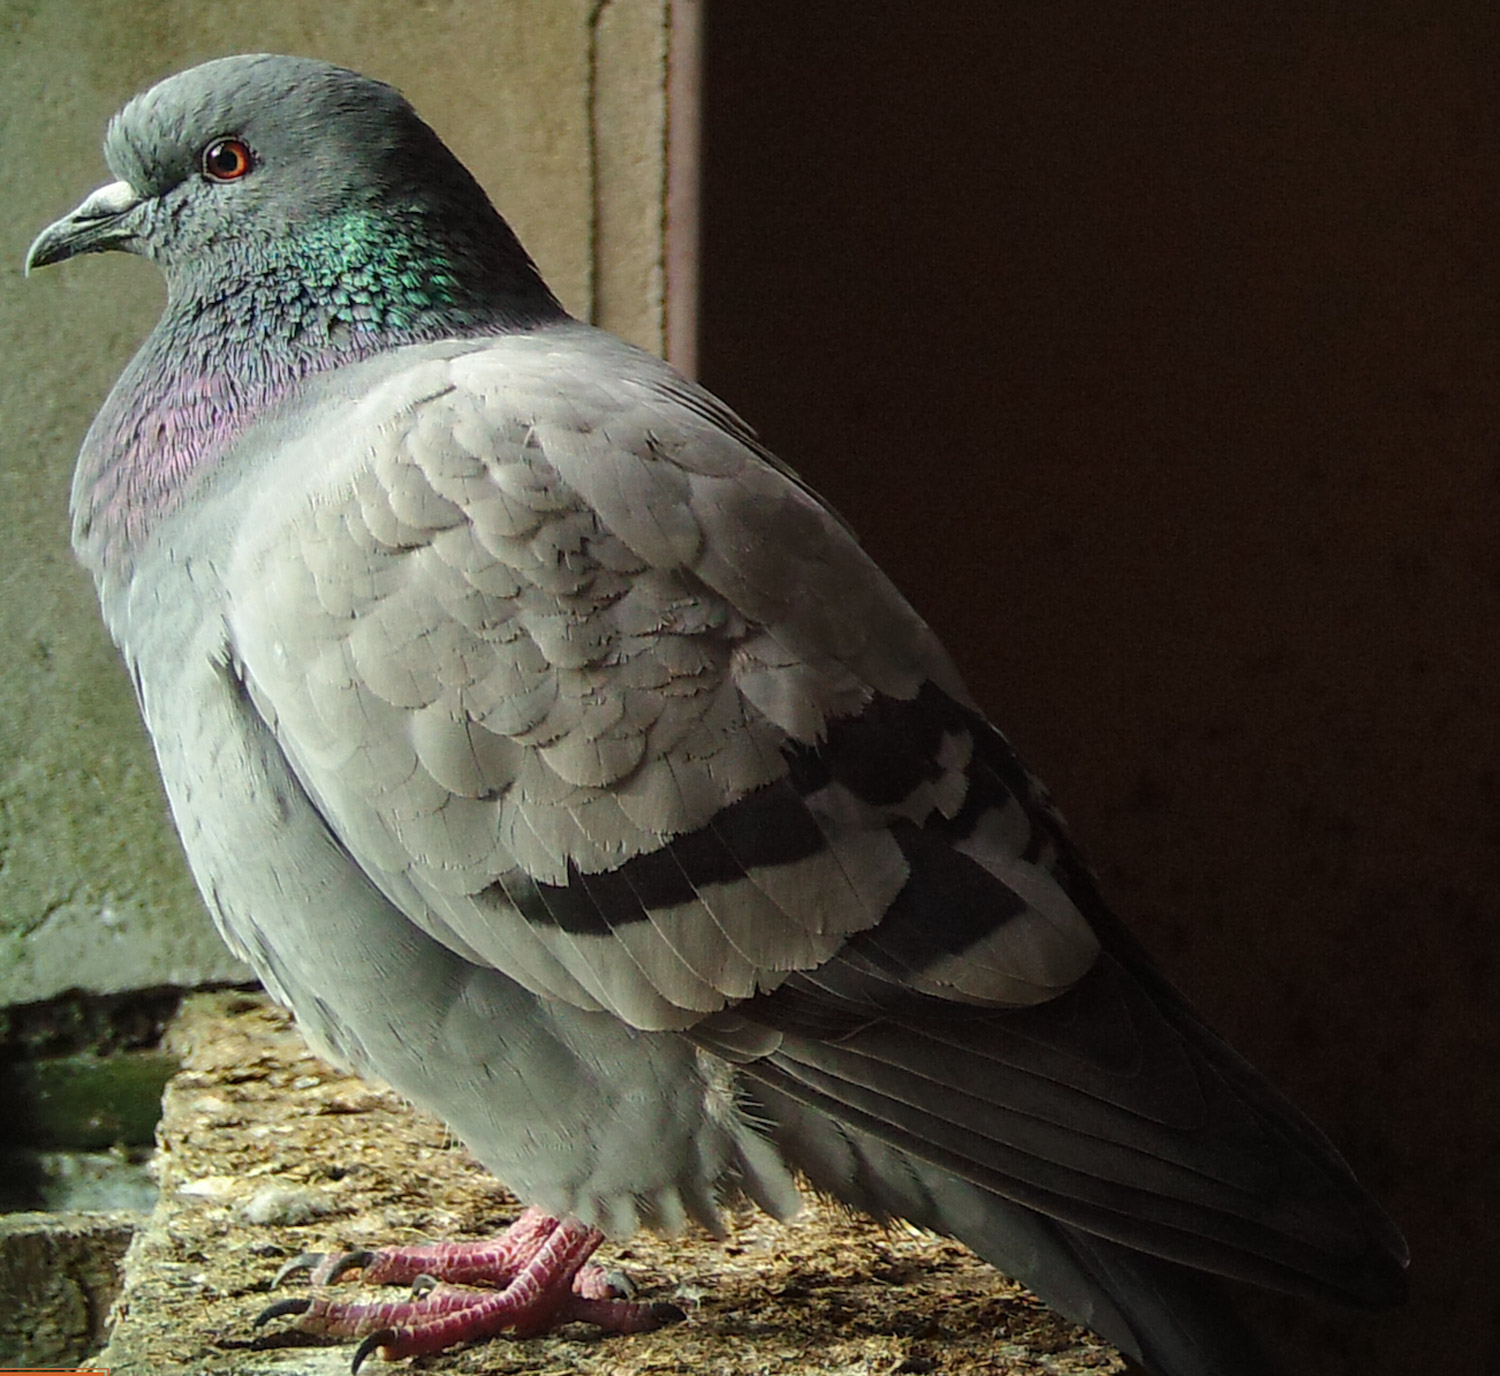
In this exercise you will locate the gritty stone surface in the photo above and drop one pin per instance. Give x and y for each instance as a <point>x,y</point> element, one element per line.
<point>59,1274</point>
<point>253,1116</point>
<point>556,107</point>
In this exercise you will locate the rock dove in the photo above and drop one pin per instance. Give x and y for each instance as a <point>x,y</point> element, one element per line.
<point>558,756</point>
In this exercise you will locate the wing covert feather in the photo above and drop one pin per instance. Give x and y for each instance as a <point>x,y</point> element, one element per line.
<point>562,677</point>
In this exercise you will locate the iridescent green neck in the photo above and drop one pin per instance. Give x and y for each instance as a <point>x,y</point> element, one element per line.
<point>389,274</point>
<point>229,346</point>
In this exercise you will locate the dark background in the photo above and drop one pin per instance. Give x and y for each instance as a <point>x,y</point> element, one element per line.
<point>1152,349</point>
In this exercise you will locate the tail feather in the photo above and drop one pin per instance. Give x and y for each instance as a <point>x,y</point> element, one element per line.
<point>1169,1143</point>
<point>1180,1320</point>
<point>1173,1321</point>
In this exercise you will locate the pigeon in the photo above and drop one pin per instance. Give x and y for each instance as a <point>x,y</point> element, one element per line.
<point>559,757</point>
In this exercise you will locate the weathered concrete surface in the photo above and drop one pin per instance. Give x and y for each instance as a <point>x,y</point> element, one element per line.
<point>266,1152</point>
<point>59,1275</point>
<point>558,108</point>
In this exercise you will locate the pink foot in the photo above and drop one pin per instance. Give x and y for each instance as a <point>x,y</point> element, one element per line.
<point>540,1263</point>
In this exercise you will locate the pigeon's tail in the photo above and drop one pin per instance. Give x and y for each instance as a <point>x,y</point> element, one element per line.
<point>1171,1319</point>
<point>1174,1321</point>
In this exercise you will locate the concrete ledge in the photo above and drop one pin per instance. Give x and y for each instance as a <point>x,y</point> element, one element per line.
<point>267,1152</point>
<point>59,1275</point>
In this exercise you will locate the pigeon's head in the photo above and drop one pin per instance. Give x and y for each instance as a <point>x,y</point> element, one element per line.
<point>261,163</point>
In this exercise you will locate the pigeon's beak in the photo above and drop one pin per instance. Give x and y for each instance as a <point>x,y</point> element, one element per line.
<point>96,225</point>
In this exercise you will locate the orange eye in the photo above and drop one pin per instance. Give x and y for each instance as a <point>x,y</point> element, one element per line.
<point>227,160</point>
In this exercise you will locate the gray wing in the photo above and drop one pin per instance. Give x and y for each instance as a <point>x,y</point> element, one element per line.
<point>560,653</point>
<point>601,697</point>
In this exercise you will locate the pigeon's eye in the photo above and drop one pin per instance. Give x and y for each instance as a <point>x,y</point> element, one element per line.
<point>227,160</point>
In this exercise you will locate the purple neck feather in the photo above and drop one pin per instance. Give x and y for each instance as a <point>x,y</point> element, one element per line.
<point>193,388</point>
<point>175,410</point>
<point>222,353</point>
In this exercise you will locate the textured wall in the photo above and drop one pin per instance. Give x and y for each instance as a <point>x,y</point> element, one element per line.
<point>1154,350</point>
<point>558,107</point>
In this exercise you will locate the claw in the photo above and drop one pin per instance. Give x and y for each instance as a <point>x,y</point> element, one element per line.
<point>621,1287</point>
<point>349,1261</point>
<point>308,1261</point>
<point>295,1304</point>
<point>532,1279</point>
<point>382,1337</point>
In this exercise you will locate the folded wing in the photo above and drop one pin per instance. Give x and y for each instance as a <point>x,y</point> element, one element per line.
<point>602,696</point>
